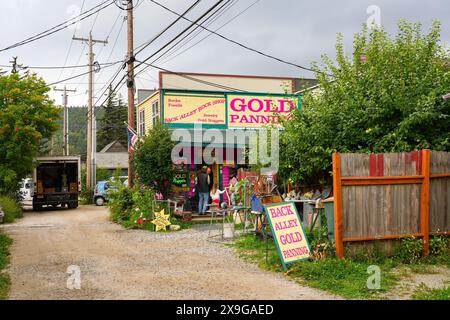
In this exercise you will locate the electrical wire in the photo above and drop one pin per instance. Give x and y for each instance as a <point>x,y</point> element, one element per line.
<point>60,67</point>
<point>120,83</point>
<point>180,34</point>
<point>236,42</point>
<point>110,32</point>
<point>78,75</point>
<point>71,43</point>
<point>210,34</point>
<point>62,25</point>
<point>212,84</point>
<point>197,30</point>
<point>141,47</point>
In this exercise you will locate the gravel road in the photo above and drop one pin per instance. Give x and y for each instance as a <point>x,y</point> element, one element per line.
<point>132,264</point>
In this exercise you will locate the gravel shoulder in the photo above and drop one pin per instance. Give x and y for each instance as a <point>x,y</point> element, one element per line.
<point>132,264</point>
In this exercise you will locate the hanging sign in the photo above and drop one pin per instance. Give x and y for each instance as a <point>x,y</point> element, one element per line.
<point>287,230</point>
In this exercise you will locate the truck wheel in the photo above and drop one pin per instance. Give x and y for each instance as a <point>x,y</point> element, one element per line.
<point>99,201</point>
<point>72,205</point>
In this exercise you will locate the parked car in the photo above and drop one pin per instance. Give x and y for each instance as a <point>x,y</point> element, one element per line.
<point>102,189</point>
<point>101,192</point>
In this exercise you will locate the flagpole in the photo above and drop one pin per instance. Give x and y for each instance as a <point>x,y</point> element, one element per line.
<point>131,129</point>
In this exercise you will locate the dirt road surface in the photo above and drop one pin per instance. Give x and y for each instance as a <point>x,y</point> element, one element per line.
<point>115,263</point>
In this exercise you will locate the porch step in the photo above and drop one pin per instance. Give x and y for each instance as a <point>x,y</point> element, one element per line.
<point>206,217</point>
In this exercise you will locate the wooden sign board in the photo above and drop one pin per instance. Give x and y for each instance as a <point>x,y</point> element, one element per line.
<point>287,230</point>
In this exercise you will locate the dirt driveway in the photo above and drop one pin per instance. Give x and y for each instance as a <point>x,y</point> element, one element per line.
<point>131,264</point>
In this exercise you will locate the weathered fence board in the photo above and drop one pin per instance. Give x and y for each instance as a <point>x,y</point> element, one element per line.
<point>440,192</point>
<point>391,195</point>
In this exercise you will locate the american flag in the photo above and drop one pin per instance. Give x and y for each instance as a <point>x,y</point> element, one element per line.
<point>132,138</point>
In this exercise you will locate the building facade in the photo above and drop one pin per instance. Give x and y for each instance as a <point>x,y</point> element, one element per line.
<point>198,102</point>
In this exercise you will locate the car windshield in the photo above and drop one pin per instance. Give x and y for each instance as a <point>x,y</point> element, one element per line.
<point>102,186</point>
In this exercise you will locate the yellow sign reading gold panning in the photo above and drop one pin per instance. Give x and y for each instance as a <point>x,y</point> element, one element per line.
<point>161,220</point>
<point>189,109</point>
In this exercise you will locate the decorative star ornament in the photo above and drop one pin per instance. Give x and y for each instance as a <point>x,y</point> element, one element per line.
<point>161,220</point>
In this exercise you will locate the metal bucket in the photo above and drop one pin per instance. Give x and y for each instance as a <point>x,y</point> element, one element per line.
<point>228,230</point>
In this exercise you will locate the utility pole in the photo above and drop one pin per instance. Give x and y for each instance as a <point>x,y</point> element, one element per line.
<point>90,153</point>
<point>130,85</point>
<point>65,120</point>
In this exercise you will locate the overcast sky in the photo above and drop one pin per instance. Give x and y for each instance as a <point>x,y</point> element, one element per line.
<point>297,31</point>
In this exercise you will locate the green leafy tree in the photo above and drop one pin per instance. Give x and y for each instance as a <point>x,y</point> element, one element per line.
<point>111,126</point>
<point>386,97</point>
<point>153,159</point>
<point>27,115</point>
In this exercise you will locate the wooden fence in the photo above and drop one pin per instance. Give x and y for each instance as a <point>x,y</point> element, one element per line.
<point>391,196</point>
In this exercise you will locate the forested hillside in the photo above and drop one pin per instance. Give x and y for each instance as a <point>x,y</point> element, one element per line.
<point>77,133</point>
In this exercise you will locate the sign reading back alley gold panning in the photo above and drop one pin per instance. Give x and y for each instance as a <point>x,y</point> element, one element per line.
<point>287,230</point>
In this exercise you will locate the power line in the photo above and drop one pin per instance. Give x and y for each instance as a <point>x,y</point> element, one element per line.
<point>71,43</point>
<point>61,26</point>
<point>78,75</point>
<point>110,32</point>
<point>60,67</point>
<point>210,34</point>
<point>120,83</point>
<point>213,84</point>
<point>145,45</point>
<point>181,33</point>
<point>213,17</point>
<point>236,42</point>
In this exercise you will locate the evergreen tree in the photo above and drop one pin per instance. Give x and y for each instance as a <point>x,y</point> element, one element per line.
<point>111,126</point>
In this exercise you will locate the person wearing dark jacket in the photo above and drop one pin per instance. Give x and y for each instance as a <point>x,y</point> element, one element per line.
<point>203,182</point>
<point>211,178</point>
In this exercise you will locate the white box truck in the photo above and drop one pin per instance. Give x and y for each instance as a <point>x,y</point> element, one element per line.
<point>57,181</point>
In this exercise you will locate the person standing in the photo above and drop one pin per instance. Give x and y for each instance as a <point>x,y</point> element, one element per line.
<point>215,195</point>
<point>203,182</point>
<point>211,178</point>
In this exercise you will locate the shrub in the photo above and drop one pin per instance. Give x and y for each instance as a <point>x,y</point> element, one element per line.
<point>87,196</point>
<point>439,245</point>
<point>11,209</point>
<point>410,250</point>
<point>121,203</point>
<point>5,243</point>
<point>102,174</point>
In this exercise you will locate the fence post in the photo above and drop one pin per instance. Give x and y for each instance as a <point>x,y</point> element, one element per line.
<point>337,191</point>
<point>425,202</point>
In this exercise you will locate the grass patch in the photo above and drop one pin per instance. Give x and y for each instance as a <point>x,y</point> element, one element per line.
<point>345,278</point>
<point>422,268</point>
<point>5,282</point>
<point>348,277</point>
<point>11,209</point>
<point>425,293</point>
